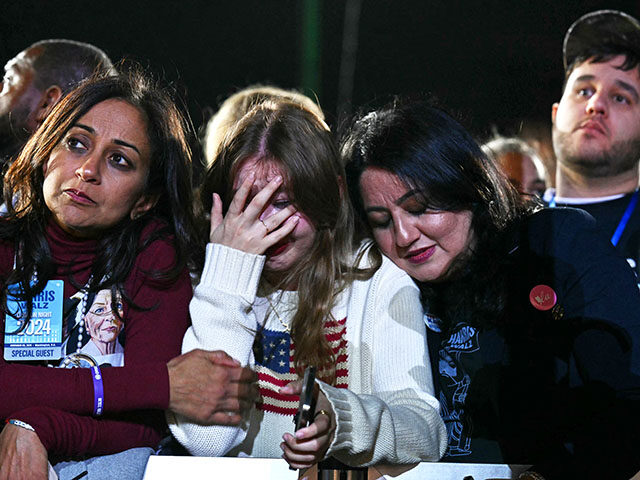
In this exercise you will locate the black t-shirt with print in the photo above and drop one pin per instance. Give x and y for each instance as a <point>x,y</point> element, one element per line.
<point>557,388</point>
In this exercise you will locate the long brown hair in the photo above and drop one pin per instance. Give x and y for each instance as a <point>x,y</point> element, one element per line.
<point>302,145</point>
<point>169,178</point>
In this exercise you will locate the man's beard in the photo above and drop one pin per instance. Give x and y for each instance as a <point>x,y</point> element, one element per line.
<point>619,158</point>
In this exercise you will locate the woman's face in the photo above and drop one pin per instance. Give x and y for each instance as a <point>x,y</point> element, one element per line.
<point>421,241</point>
<point>289,251</point>
<point>101,321</point>
<point>96,175</point>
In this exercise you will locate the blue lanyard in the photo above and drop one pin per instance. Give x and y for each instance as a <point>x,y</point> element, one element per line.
<point>623,221</point>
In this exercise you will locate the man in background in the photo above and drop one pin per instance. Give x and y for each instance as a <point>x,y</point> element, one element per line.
<point>35,80</point>
<point>596,126</point>
<point>519,162</point>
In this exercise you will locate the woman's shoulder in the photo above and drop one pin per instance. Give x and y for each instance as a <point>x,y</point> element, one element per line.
<point>566,217</point>
<point>157,249</point>
<point>156,236</point>
<point>550,228</point>
<point>155,225</point>
<point>567,234</point>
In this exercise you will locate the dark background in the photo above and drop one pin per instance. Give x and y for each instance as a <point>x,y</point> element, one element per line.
<point>490,62</point>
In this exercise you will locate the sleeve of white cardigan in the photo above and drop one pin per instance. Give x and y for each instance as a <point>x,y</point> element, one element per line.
<point>221,320</point>
<point>399,422</point>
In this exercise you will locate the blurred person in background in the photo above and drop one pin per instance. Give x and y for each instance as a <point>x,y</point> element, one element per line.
<point>236,105</point>
<point>519,162</point>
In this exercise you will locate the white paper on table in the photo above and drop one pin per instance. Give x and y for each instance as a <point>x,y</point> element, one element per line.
<point>195,468</point>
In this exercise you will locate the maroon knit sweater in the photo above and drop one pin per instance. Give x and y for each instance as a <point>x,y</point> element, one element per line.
<point>59,403</point>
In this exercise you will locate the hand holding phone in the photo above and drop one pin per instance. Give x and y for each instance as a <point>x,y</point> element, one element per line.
<point>301,452</point>
<point>307,404</point>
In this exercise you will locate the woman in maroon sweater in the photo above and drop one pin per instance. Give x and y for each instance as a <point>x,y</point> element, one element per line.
<point>99,200</point>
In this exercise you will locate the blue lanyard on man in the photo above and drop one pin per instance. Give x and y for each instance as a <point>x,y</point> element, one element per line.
<point>622,224</point>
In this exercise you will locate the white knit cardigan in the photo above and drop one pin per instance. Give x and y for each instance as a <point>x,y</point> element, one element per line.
<point>388,414</point>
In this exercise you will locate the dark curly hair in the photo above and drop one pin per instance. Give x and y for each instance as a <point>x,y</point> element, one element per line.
<point>432,153</point>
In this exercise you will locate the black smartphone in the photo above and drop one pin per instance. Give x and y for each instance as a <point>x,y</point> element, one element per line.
<point>307,405</point>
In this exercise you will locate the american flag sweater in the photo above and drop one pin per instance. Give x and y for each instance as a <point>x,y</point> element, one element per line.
<point>383,399</point>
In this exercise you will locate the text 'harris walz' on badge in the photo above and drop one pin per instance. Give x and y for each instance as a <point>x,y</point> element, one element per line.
<point>41,338</point>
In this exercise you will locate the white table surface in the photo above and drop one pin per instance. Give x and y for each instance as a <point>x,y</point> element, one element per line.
<point>183,468</point>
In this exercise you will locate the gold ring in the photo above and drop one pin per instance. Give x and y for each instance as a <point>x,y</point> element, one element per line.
<point>265,225</point>
<point>322,412</point>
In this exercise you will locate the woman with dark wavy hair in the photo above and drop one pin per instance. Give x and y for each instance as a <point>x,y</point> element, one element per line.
<point>537,351</point>
<point>285,287</point>
<point>99,199</point>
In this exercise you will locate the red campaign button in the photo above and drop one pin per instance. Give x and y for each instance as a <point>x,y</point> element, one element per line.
<point>543,297</point>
